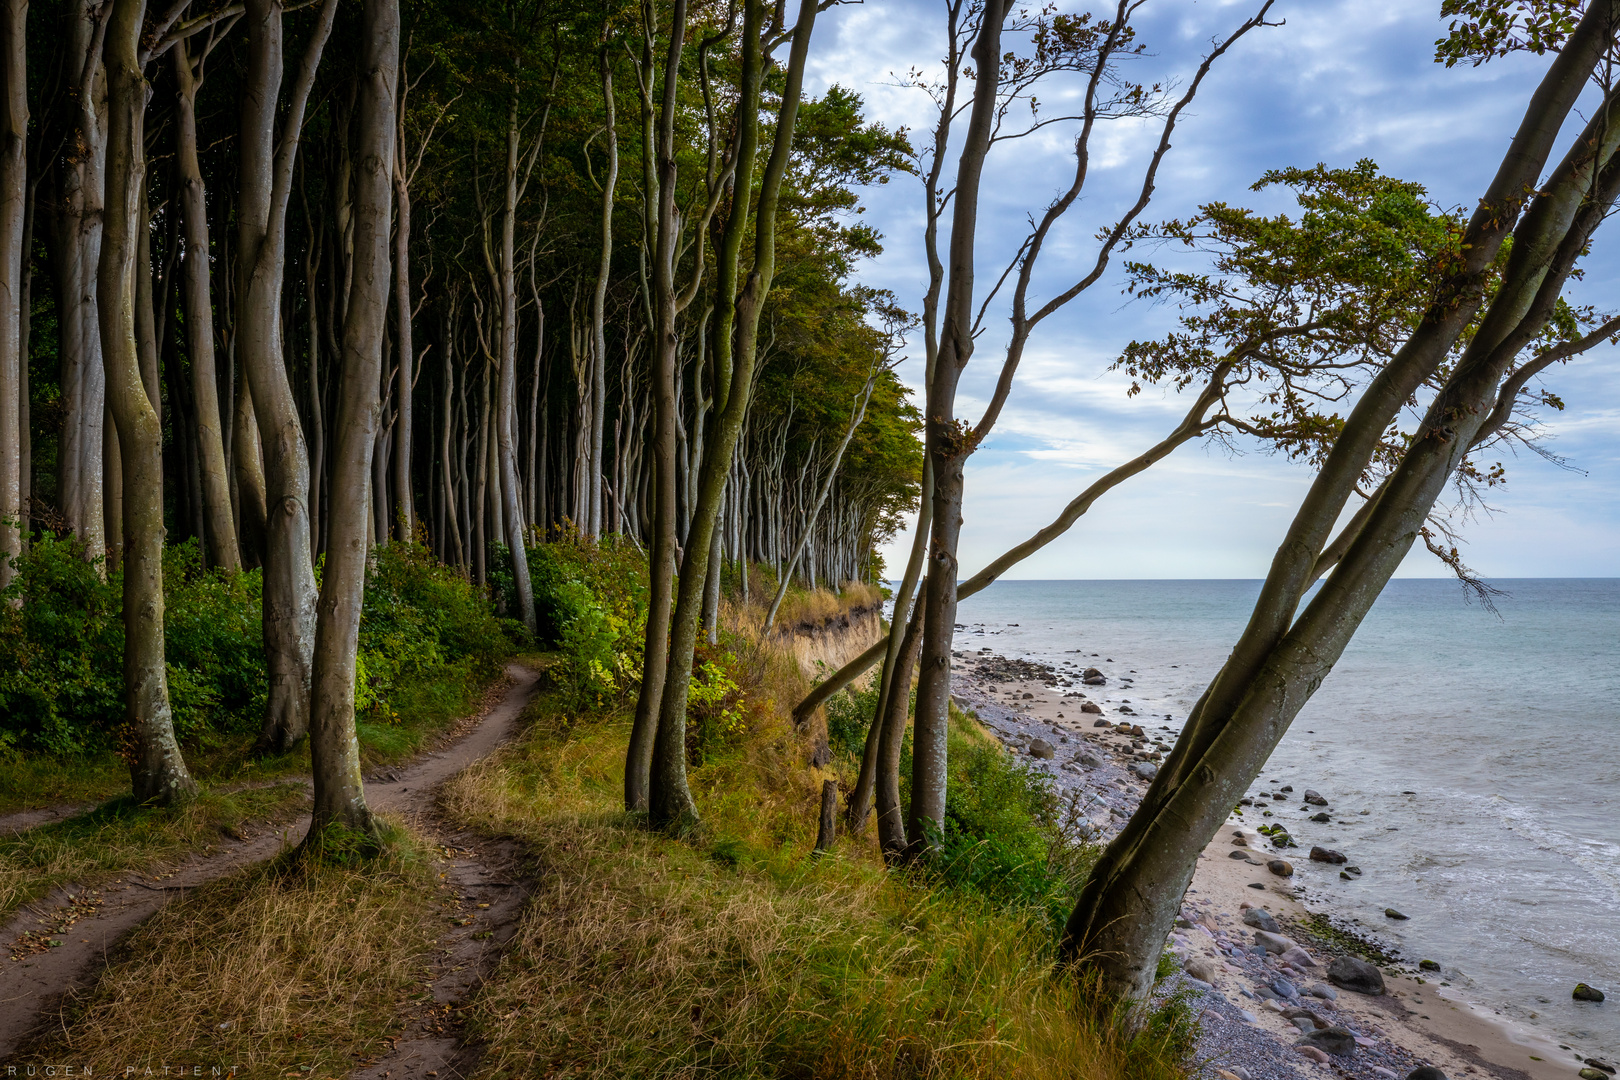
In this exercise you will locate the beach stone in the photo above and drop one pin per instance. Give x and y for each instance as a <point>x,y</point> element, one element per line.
<point>1349,973</point>
<point>1593,1074</point>
<point>1257,885</point>
<point>1240,840</point>
<point>1260,919</point>
<point>1387,1074</point>
<point>1335,1040</point>
<point>1092,677</point>
<point>1244,855</point>
<point>1040,748</point>
<point>1237,1070</point>
<point>1275,943</point>
<point>1429,965</point>
<point>1309,1051</point>
<point>1281,867</point>
<point>1603,1065</point>
<point>1587,993</point>
<point>1284,988</point>
<point>1426,1072</point>
<point>1323,991</point>
<point>1102,723</point>
<point>1199,968</point>
<point>1090,761</point>
<point>1303,1024</point>
<point>1145,769</point>
<point>1299,958</point>
<point>1321,819</point>
<point>1297,1013</point>
<point>1314,798</point>
<point>1328,855</point>
<point>1090,707</point>
<point>1391,913</point>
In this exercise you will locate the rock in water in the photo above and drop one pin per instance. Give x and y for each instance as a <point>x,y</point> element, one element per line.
<point>1429,965</point>
<point>1145,769</point>
<point>1425,1072</point>
<point>1314,798</point>
<point>1328,855</point>
<point>1260,919</point>
<point>1040,748</point>
<point>1587,993</point>
<point>1092,677</point>
<point>1349,973</point>
<point>1603,1065</point>
<point>1593,1074</point>
<point>1276,943</point>
<point>1334,1040</point>
<point>1391,913</point>
<point>1281,867</point>
<point>1321,819</point>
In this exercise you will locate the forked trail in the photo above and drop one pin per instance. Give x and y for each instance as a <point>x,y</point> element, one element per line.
<point>88,923</point>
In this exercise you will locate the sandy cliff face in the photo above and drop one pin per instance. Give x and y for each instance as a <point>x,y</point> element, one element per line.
<point>833,641</point>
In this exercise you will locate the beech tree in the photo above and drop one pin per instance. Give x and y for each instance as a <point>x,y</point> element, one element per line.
<point>1289,646</point>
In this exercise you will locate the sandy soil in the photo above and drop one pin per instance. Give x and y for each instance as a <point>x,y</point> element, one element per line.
<point>1415,1022</point>
<point>485,895</point>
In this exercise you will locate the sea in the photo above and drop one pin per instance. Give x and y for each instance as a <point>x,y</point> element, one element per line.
<point>1485,744</point>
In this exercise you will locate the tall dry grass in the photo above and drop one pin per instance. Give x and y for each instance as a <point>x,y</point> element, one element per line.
<point>737,954</point>
<point>283,969</point>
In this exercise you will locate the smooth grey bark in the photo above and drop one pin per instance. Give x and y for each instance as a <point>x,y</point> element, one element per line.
<point>405,375</point>
<point>219,526</point>
<point>13,206</point>
<point>948,443</point>
<point>670,802</point>
<point>598,418</point>
<point>893,709</point>
<point>1280,660</point>
<point>339,791</point>
<point>265,173</point>
<point>644,731</point>
<point>247,469</point>
<point>509,520</point>
<point>157,770</point>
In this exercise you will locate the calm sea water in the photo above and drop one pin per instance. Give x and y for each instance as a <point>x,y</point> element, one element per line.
<point>1505,727</point>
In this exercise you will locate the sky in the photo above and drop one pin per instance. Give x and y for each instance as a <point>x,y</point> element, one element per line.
<point>1342,80</point>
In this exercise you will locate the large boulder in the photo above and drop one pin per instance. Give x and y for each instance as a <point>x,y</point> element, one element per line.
<point>1335,1040</point>
<point>1327,855</point>
<point>1092,677</point>
<point>1314,798</point>
<point>1273,943</point>
<point>1090,707</point>
<point>1260,919</point>
<point>1144,769</point>
<point>1040,748</point>
<point>1349,973</point>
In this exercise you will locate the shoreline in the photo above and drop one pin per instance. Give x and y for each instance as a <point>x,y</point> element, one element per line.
<point>1071,732</point>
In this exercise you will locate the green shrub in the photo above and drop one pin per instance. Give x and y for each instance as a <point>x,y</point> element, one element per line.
<point>849,716</point>
<point>590,604</point>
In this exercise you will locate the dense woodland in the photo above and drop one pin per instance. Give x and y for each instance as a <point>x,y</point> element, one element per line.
<point>304,283</point>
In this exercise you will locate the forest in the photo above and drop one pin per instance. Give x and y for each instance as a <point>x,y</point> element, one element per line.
<point>355,352</point>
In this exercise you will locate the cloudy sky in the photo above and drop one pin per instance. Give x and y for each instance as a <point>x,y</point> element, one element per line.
<point>1341,81</point>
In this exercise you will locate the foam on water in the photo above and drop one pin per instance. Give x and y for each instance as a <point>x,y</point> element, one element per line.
<point>1506,728</point>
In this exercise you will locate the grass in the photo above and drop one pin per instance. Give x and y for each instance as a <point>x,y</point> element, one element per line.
<point>286,968</point>
<point>119,837</point>
<point>736,953</point>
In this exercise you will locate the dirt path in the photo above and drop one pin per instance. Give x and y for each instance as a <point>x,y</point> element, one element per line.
<point>34,973</point>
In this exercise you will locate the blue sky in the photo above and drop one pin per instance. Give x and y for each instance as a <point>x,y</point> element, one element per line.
<point>1342,80</point>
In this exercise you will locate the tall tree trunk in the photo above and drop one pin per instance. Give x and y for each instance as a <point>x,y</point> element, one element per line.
<point>598,417</point>
<point>158,773</point>
<point>894,706</point>
<point>219,527</point>
<point>404,497</point>
<point>13,204</point>
<point>265,174</point>
<point>247,469</point>
<point>671,802</point>
<point>510,517</point>
<point>339,792</point>
<point>948,444</point>
<point>661,563</point>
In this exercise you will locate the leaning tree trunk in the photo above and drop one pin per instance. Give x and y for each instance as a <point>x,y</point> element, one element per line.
<point>340,798</point>
<point>219,527</point>
<point>158,773</point>
<point>266,188</point>
<point>13,203</point>
<point>1120,921</point>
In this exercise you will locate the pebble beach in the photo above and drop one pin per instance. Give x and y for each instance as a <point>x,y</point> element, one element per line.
<point>1282,989</point>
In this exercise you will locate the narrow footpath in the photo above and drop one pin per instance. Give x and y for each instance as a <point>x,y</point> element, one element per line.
<point>89,922</point>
